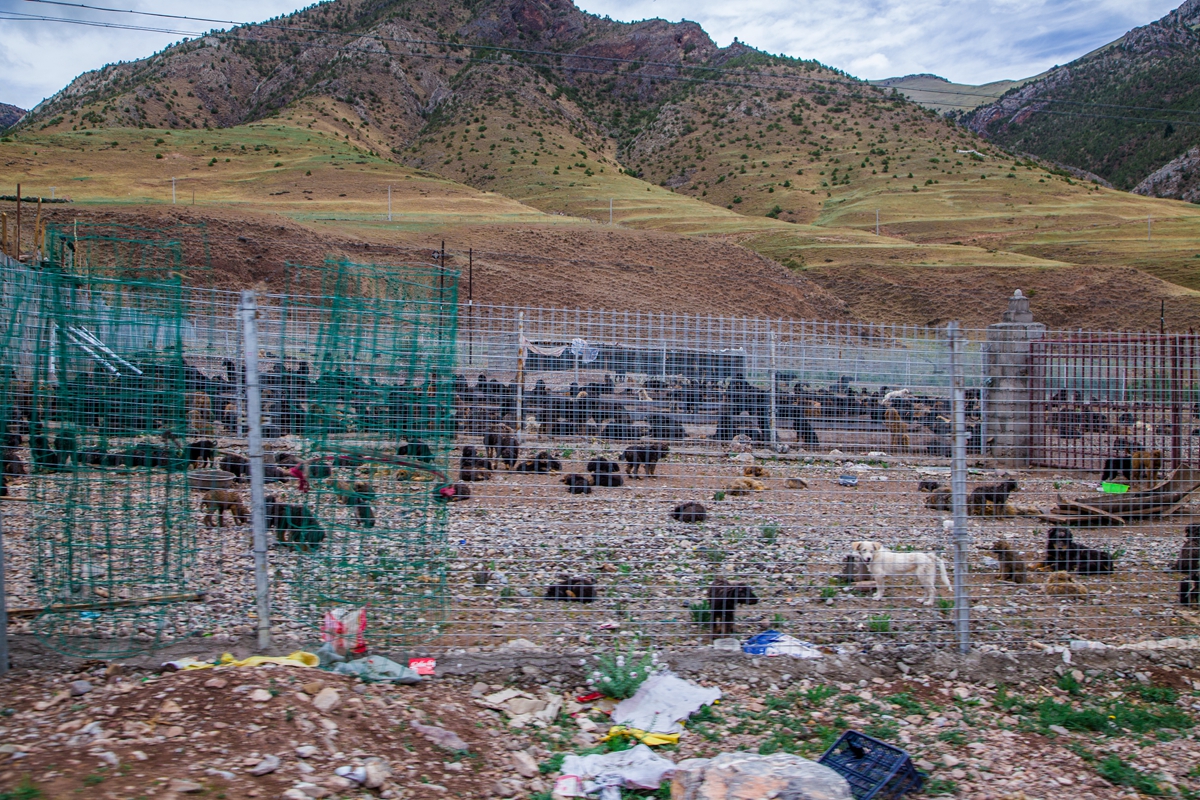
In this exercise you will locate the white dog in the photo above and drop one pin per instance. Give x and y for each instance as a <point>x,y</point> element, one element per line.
<point>883,562</point>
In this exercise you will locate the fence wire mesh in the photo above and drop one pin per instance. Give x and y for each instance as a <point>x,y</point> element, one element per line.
<point>671,478</point>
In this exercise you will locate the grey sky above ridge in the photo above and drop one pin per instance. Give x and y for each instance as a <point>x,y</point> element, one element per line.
<point>966,43</point>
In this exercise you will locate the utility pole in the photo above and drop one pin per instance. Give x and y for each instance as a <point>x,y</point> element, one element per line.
<point>52,188</point>
<point>389,202</point>
<point>1148,221</point>
<point>172,191</point>
<point>258,515</point>
<point>958,490</point>
<point>877,222</point>
<point>610,204</point>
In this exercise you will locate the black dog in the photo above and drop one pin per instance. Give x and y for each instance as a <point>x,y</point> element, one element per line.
<point>236,464</point>
<point>996,494</point>
<point>543,464</point>
<point>359,496</point>
<point>294,525</point>
<point>605,472</point>
<point>1189,556</point>
<point>691,511</point>
<point>577,484</point>
<point>1117,467</point>
<point>1189,590</point>
<point>202,452</point>
<point>723,600</point>
<point>573,589</point>
<point>416,450</point>
<point>645,456</point>
<point>1063,554</point>
<point>927,485</point>
<point>472,467</point>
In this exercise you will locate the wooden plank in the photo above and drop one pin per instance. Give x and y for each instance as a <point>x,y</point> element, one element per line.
<point>1077,507</point>
<point>105,605</point>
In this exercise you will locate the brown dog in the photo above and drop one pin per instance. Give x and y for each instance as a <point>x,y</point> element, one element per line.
<point>1012,565</point>
<point>221,500</point>
<point>1145,465</point>
<point>1064,584</point>
<point>756,472</point>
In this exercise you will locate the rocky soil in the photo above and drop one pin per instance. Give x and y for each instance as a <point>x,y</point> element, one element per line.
<point>989,726</point>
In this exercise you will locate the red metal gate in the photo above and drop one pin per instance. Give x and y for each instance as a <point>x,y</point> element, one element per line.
<point>1096,395</point>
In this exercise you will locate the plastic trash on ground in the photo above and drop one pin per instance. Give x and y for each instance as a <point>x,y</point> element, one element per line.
<point>639,768</point>
<point>774,643</point>
<point>378,669</point>
<point>344,628</point>
<point>297,659</point>
<point>329,656</point>
<point>661,703</point>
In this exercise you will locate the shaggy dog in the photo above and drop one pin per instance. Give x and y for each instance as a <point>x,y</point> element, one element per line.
<point>573,589</point>
<point>219,501</point>
<point>1189,590</point>
<point>756,472</point>
<point>1064,584</point>
<point>739,487</point>
<point>577,484</point>
<point>605,472</point>
<point>1063,554</point>
<point>928,485</point>
<point>294,525</point>
<point>1189,556</point>
<point>882,563</point>
<point>645,456</point>
<point>723,600</point>
<point>939,500</point>
<point>690,511</point>
<point>996,495</point>
<point>1012,566</point>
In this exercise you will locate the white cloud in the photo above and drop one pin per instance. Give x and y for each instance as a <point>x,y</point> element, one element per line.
<point>965,42</point>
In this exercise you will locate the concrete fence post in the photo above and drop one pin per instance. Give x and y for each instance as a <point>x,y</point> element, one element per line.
<point>1008,383</point>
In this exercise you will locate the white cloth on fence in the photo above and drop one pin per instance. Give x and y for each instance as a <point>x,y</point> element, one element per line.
<point>578,347</point>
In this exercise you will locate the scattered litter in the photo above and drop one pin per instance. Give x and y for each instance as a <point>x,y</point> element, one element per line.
<point>343,625</point>
<point>299,658</point>
<point>848,480</point>
<point>378,669</point>
<point>871,767</point>
<point>661,703</point>
<point>774,643</point>
<point>423,666</point>
<point>638,768</point>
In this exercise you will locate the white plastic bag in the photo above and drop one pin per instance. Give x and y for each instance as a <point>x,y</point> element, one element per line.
<point>639,768</point>
<point>662,702</point>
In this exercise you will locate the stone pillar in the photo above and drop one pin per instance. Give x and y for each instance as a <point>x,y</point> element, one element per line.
<point>1007,372</point>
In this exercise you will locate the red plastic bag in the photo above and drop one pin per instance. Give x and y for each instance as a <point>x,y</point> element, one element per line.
<point>344,624</point>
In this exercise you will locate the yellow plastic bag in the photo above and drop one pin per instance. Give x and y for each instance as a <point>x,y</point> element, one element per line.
<point>296,659</point>
<point>645,737</point>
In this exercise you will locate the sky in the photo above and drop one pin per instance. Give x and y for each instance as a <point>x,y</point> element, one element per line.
<point>964,42</point>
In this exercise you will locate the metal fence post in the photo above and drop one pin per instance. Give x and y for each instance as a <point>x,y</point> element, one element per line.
<point>958,490</point>
<point>258,510</point>
<point>3,604</point>
<point>774,433</point>
<point>520,373</point>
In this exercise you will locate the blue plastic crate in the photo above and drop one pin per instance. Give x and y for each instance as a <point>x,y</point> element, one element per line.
<point>874,769</point>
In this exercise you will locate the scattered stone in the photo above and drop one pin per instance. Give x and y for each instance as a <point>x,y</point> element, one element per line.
<point>313,687</point>
<point>169,707</point>
<point>260,695</point>
<point>378,771</point>
<point>172,731</point>
<point>745,775</point>
<point>267,765</point>
<point>184,787</point>
<point>307,751</point>
<point>80,688</point>
<point>216,683</point>
<point>1060,730</point>
<point>327,699</point>
<point>311,790</point>
<point>441,737</point>
<point>951,761</point>
<point>138,755</point>
<point>524,764</point>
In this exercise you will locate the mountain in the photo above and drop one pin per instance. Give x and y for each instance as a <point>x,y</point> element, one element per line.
<point>514,95</point>
<point>1121,112</point>
<point>9,115</point>
<point>945,97</point>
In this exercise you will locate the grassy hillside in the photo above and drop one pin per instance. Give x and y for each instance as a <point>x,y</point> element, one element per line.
<point>946,97</point>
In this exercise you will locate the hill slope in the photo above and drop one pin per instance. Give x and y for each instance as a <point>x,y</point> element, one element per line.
<point>9,115</point>
<point>945,97</point>
<point>1121,112</point>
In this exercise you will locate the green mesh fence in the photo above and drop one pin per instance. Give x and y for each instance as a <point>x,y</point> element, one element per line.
<point>95,384</point>
<point>359,376</point>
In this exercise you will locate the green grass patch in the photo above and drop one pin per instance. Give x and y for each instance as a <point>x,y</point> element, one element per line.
<point>25,789</point>
<point>1118,772</point>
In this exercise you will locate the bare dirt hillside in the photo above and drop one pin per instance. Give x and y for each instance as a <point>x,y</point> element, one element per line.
<point>580,267</point>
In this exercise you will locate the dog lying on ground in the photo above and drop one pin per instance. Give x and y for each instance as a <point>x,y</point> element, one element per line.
<point>928,485</point>
<point>542,464</point>
<point>472,467</point>
<point>1012,565</point>
<point>605,473</point>
<point>1064,584</point>
<point>573,589</point>
<point>883,563</point>
<point>939,500</point>
<point>996,495</point>
<point>795,483</point>
<point>855,572</point>
<point>577,484</point>
<point>645,456</point>
<point>1064,554</point>
<point>739,487</point>
<point>218,501</point>
<point>690,511</point>
<point>723,600</point>
<point>756,472</point>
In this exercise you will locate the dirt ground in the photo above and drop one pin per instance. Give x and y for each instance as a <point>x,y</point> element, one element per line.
<point>978,726</point>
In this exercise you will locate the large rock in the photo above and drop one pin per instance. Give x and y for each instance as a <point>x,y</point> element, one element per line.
<point>749,776</point>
